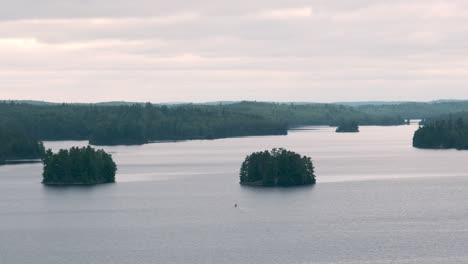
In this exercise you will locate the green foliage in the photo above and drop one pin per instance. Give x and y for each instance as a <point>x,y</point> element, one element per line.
<point>415,110</point>
<point>142,123</point>
<point>348,126</point>
<point>313,114</point>
<point>78,166</point>
<point>135,124</point>
<point>442,134</point>
<point>17,145</point>
<point>278,167</point>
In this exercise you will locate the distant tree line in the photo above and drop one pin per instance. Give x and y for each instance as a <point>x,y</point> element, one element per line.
<point>278,167</point>
<point>135,124</point>
<point>295,114</point>
<point>142,123</point>
<point>415,110</point>
<point>442,134</point>
<point>18,145</point>
<point>78,166</point>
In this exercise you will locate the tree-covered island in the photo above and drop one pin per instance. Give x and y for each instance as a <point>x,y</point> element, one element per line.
<point>78,166</point>
<point>348,127</point>
<point>442,134</point>
<point>278,167</point>
<point>16,145</point>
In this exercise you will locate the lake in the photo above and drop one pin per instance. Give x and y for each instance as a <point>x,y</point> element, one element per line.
<point>377,200</point>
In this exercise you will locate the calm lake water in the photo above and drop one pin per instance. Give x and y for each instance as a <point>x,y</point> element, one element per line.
<point>377,200</point>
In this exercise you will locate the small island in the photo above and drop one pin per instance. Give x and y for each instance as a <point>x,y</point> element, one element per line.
<point>278,167</point>
<point>78,166</point>
<point>16,145</point>
<point>442,134</point>
<point>348,127</point>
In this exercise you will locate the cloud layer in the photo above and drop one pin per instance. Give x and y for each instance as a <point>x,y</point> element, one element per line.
<point>257,50</point>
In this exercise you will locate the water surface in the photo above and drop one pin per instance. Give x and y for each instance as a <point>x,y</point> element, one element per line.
<point>377,200</point>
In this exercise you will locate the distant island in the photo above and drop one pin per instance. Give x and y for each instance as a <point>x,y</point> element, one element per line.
<point>15,145</point>
<point>278,167</point>
<point>442,134</point>
<point>78,166</point>
<point>348,127</point>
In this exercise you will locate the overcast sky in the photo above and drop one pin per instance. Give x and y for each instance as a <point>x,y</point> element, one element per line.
<point>211,50</point>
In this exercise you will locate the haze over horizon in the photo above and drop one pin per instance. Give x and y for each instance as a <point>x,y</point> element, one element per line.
<point>201,51</point>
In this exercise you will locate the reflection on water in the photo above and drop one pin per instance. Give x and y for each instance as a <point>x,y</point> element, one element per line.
<point>378,200</point>
<point>20,161</point>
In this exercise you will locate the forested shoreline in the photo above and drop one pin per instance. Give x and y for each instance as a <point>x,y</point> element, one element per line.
<point>16,145</point>
<point>143,123</point>
<point>442,134</point>
<point>415,110</point>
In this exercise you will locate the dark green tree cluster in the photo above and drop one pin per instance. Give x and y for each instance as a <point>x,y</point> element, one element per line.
<point>414,110</point>
<point>134,124</point>
<point>114,124</point>
<point>300,114</point>
<point>348,126</point>
<point>442,134</point>
<point>153,123</point>
<point>17,145</point>
<point>278,167</point>
<point>78,166</point>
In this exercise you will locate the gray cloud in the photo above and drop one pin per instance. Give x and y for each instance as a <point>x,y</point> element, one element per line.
<point>210,50</point>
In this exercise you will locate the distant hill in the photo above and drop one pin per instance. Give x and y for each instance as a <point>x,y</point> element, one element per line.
<point>372,103</point>
<point>116,103</point>
<point>31,102</point>
<point>448,101</point>
<point>357,104</point>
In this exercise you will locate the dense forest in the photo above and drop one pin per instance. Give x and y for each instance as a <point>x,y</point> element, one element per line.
<point>278,167</point>
<point>415,110</point>
<point>142,123</point>
<point>348,126</point>
<point>442,134</point>
<point>313,114</point>
<point>17,145</point>
<point>78,166</point>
